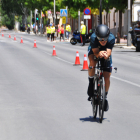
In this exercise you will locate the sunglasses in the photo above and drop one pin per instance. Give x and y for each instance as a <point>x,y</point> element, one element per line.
<point>102,39</point>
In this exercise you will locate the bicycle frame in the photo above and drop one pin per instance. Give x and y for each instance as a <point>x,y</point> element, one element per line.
<point>99,90</point>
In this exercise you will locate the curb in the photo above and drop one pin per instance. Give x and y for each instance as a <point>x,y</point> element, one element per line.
<point>124,46</point>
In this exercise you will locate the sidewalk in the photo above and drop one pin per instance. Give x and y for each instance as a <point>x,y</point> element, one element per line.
<point>123,44</point>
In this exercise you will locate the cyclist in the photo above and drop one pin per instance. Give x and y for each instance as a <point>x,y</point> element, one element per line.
<point>101,44</point>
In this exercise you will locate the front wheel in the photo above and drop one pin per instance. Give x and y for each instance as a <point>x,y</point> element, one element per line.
<point>73,41</point>
<point>102,99</point>
<point>94,100</point>
<point>94,107</point>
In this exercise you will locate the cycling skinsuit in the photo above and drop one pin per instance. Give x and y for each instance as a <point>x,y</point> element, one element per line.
<point>94,43</point>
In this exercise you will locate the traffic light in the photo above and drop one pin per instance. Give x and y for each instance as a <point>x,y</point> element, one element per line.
<point>37,17</point>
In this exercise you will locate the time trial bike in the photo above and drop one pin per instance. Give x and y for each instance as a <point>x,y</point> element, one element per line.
<point>98,98</point>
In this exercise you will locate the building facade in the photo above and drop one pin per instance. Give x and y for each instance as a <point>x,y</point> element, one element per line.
<point>136,11</point>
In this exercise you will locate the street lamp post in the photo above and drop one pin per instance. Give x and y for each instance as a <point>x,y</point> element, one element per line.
<point>79,20</point>
<point>35,19</point>
<point>100,11</point>
<point>31,22</point>
<point>41,23</point>
<point>129,23</point>
<point>54,13</point>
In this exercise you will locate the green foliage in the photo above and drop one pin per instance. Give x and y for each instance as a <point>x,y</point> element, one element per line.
<point>45,21</point>
<point>8,21</point>
<point>12,6</point>
<point>18,19</point>
<point>74,13</point>
<point>107,5</point>
<point>29,19</point>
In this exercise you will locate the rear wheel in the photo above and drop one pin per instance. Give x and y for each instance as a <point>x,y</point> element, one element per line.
<point>73,41</point>
<point>102,99</point>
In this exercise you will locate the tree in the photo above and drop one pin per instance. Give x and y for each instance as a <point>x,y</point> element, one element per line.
<point>121,6</point>
<point>107,5</point>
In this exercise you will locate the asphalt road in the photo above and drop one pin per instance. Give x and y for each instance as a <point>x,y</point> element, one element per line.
<point>44,97</point>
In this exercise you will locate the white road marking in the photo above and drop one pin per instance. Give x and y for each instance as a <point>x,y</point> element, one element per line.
<point>126,81</point>
<point>64,60</point>
<point>123,80</point>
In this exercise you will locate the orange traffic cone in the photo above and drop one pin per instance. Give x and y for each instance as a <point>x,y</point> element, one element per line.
<point>14,37</point>
<point>2,35</point>
<point>9,36</point>
<point>54,51</point>
<point>85,63</point>
<point>77,60</point>
<point>21,40</point>
<point>35,44</point>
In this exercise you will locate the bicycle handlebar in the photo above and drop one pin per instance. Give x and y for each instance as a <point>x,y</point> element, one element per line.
<point>102,62</point>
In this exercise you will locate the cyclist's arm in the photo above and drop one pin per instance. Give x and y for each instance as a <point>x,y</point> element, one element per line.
<point>96,52</point>
<point>94,45</point>
<point>107,53</point>
<point>110,46</point>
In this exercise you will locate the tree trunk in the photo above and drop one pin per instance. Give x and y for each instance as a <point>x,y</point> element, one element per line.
<point>107,19</point>
<point>120,22</point>
<point>120,27</point>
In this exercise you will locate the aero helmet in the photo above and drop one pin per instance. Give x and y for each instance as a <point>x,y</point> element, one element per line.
<point>102,32</point>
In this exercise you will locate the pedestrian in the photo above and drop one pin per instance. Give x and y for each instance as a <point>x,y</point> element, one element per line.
<point>28,29</point>
<point>34,27</point>
<point>59,27</point>
<point>56,28</point>
<point>52,32</point>
<point>83,32</point>
<point>62,32</point>
<point>51,24</point>
<point>48,31</point>
<point>68,30</point>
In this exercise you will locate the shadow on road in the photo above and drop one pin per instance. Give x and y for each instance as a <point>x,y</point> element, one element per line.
<point>90,119</point>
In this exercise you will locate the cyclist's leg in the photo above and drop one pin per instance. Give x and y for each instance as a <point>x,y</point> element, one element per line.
<point>107,74</point>
<point>107,80</point>
<point>91,72</point>
<point>92,63</point>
